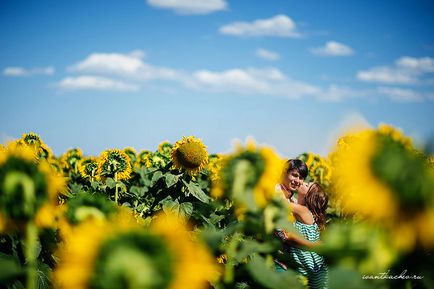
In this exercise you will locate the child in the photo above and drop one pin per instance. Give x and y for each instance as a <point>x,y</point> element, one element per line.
<point>310,220</point>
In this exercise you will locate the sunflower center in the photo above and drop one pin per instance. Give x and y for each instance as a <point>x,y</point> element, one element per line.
<point>191,155</point>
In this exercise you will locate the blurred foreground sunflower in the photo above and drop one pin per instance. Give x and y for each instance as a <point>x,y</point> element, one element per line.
<point>249,177</point>
<point>190,155</point>
<point>121,254</point>
<point>27,185</point>
<point>378,175</point>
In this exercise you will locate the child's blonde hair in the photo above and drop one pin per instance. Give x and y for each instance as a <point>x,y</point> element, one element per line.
<point>316,200</point>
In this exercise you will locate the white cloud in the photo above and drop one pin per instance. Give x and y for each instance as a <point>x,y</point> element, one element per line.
<point>335,93</point>
<point>20,71</point>
<point>407,70</point>
<point>333,48</point>
<point>190,6</point>
<point>267,54</point>
<point>386,75</point>
<point>279,25</point>
<point>125,65</point>
<point>423,64</point>
<point>89,82</point>
<point>400,95</point>
<point>270,81</point>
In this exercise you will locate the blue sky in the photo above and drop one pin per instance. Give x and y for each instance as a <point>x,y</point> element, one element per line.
<point>290,73</point>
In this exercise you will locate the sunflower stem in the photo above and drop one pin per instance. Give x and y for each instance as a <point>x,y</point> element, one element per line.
<point>116,188</point>
<point>30,253</point>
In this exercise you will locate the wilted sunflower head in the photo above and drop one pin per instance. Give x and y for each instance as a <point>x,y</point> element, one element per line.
<point>88,167</point>
<point>114,163</point>
<point>165,148</point>
<point>319,169</point>
<point>144,159</point>
<point>131,153</point>
<point>70,159</point>
<point>26,185</point>
<point>35,141</point>
<point>189,154</point>
<point>124,255</point>
<point>249,176</point>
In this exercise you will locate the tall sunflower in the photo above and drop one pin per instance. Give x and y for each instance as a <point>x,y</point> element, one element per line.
<point>131,153</point>
<point>165,148</point>
<point>144,159</point>
<point>319,168</point>
<point>88,168</point>
<point>114,163</point>
<point>35,141</point>
<point>70,159</point>
<point>121,254</point>
<point>190,155</point>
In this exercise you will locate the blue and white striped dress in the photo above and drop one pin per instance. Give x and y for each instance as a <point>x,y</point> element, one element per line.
<point>310,264</point>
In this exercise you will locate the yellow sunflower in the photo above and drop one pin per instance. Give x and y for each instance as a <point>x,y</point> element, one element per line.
<point>214,166</point>
<point>88,168</point>
<point>189,154</point>
<point>144,159</point>
<point>35,141</point>
<point>121,254</point>
<point>165,148</point>
<point>114,163</point>
<point>69,160</point>
<point>131,153</point>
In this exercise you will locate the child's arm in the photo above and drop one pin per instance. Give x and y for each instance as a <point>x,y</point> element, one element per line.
<point>298,241</point>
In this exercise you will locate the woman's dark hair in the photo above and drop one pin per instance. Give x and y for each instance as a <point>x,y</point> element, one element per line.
<point>316,201</point>
<point>298,165</point>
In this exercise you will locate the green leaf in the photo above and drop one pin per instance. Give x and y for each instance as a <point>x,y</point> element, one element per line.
<point>171,179</point>
<point>110,183</point>
<point>197,192</point>
<point>269,278</point>
<point>186,209</point>
<point>249,247</point>
<point>75,188</point>
<point>155,177</point>
<point>170,205</point>
<point>138,191</point>
<point>43,274</point>
<point>9,268</point>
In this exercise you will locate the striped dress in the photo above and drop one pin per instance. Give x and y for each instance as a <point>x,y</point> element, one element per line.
<point>310,264</point>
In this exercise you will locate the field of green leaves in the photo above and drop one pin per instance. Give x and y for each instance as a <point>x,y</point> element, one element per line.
<point>180,217</point>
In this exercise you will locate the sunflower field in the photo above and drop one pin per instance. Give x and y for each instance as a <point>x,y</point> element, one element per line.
<point>179,217</point>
